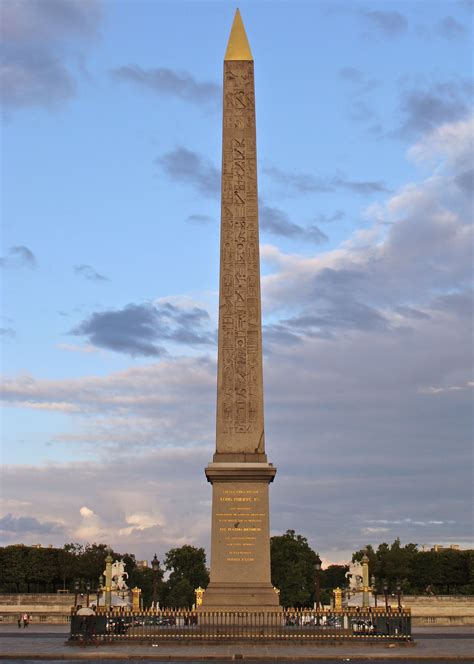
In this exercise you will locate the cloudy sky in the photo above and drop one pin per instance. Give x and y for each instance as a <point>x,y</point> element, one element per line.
<point>111,139</point>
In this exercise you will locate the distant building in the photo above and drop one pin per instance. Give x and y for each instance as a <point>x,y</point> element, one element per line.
<point>452,547</point>
<point>142,564</point>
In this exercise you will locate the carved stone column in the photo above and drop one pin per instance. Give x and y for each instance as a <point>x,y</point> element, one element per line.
<point>239,473</point>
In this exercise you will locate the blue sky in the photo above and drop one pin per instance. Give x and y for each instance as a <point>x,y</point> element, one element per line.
<point>110,149</point>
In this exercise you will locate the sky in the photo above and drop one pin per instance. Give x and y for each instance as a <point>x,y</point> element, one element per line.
<point>110,186</point>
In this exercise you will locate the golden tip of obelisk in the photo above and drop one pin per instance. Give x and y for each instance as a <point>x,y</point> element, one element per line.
<point>238,45</point>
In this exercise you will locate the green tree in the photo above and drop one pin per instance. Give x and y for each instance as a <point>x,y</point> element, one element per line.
<point>70,563</point>
<point>186,563</point>
<point>398,562</point>
<point>390,563</point>
<point>469,587</point>
<point>425,571</point>
<point>142,577</point>
<point>86,563</point>
<point>292,569</point>
<point>91,561</point>
<point>34,564</point>
<point>66,567</point>
<point>334,576</point>
<point>380,569</point>
<point>31,569</point>
<point>42,565</point>
<point>448,571</point>
<point>454,570</point>
<point>375,558</point>
<point>13,569</point>
<point>180,595</point>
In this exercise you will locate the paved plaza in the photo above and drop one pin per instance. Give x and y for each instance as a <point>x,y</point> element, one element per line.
<point>48,642</point>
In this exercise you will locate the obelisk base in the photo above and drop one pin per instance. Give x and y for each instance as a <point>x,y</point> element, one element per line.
<point>240,549</point>
<point>240,597</point>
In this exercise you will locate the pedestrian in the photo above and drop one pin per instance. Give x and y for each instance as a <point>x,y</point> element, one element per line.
<point>20,620</point>
<point>26,619</point>
<point>90,635</point>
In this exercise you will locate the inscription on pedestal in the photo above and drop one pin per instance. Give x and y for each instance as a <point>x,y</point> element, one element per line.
<point>240,530</point>
<point>240,523</point>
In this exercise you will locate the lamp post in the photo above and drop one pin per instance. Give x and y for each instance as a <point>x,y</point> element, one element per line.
<point>385,592</point>
<point>399,594</point>
<point>100,588</point>
<point>88,590</point>
<point>374,588</point>
<point>108,581</point>
<point>155,566</point>
<point>317,569</point>
<point>365,580</point>
<point>100,583</point>
<point>76,591</point>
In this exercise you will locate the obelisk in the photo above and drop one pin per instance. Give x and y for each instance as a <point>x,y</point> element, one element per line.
<point>239,472</point>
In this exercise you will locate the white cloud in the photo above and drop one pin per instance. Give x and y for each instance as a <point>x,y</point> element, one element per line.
<point>78,348</point>
<point>90,528</point>
<point>86,512</point>
<point>170,401</point>
<point>418,244</point>
<point>7,504</point>
<point>142,521</point>
<point>126,506</point>
<point>374,531</point>
<point>452,144</point>
<point>450,388</point>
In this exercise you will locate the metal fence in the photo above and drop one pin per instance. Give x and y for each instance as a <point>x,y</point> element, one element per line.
<point>220,626</point>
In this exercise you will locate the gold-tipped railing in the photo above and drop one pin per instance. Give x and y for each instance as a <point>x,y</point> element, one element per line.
<point>220,626</point>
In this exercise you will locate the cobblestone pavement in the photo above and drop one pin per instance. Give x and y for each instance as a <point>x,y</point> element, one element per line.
<point>47,642</point>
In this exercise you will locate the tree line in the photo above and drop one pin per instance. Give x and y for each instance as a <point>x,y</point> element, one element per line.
<point>445,572</point>
<point>30,569</point>
<point>27,569</point>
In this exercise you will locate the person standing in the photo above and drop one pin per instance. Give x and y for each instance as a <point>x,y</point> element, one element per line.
<point>26,619</point>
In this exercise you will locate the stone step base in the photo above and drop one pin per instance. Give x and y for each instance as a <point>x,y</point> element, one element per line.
<point>220,596</point>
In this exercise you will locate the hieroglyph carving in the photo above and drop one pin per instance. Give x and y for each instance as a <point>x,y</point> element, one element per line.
<point>240,403</point>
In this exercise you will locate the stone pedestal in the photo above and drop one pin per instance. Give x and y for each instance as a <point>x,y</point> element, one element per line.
<point>240,550</point>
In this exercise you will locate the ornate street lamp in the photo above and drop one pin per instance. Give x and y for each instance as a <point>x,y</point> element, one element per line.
<point>155,566</point>
<point>108,580</point>
<point>374,588</point>
<point>88,590</point>
<point>76,591</point>
<point>100,584</point>
<point>317,569</point>
<point>385,592</point>
<point>365,580</point>
<point>399,594</point>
